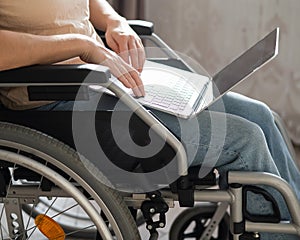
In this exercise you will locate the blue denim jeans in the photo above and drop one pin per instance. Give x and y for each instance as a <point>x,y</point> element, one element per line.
<point>236,133</point>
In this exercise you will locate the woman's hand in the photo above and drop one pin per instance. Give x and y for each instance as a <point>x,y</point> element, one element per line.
<point>98,54</point>
<point>124,41</point>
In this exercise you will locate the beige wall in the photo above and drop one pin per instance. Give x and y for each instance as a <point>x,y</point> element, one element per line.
<point>214,32</point>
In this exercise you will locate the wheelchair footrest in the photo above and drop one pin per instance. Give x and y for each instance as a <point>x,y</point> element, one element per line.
<point>272,218</point>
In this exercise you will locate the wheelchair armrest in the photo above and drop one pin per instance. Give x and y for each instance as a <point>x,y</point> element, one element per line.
<point>45,75</point>
<point>55,82</point>
<point>141,27</point>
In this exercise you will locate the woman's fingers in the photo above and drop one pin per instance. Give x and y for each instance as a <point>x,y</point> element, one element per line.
<point>134,56</point>
<point>142,59</point>
<point>134,86</point>
<point>141,55</point>
<point>126,74</point>
<point>130,48</point>
<point>138,81</point>
<point>123,50</point>
<point>99,54</point>
<point>136,53</point>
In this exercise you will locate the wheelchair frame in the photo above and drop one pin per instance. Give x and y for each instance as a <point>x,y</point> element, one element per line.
<point>232,198</point>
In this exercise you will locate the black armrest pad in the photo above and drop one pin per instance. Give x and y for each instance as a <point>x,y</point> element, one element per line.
<point>139,26</point>
<point>54,75</point>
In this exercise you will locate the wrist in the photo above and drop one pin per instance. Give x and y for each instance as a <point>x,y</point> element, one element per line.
<point>90,51</point>
<point>114,21</point>
<point>84,45</point>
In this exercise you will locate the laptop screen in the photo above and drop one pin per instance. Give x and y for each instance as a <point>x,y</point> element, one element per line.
<point>248,62</point>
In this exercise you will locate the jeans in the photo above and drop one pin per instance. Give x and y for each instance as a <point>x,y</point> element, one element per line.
<point>243,138</point>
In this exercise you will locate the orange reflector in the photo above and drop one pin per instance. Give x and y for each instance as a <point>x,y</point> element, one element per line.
<point>51,229</point>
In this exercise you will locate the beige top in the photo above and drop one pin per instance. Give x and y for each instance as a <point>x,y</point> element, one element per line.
<point>41,17</point>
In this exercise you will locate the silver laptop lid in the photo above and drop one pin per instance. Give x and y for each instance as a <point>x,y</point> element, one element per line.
<point>242,67</point>
<point>247,63</point>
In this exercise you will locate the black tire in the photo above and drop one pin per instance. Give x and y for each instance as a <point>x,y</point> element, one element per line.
<point>40,146</point>
<point>199,215</point>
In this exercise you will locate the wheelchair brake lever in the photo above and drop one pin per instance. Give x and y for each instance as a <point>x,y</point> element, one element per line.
<point>156,205</point>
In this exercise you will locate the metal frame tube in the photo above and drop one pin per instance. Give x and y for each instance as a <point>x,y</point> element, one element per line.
<point>287,228</point>
<point>152,122</point>
<point>261,178</point>
<point>208,195</point>
<point>237,205</point>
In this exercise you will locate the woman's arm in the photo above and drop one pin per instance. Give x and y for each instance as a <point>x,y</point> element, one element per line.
<point>22,49</point>
<point>119,35</point>
<point>102,14</point>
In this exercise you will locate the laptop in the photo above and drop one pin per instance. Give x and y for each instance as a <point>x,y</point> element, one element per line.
<point>185,94</point>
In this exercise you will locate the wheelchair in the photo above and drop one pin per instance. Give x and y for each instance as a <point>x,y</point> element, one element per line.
<point>49,190</point>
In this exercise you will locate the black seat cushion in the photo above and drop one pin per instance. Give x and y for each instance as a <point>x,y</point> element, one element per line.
<point>58,124</point>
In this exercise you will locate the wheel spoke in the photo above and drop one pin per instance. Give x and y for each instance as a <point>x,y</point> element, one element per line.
<point>80,230</point>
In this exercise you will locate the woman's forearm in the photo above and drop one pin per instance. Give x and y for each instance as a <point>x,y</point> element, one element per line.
<point>102,14</point>
<point>22,49</point>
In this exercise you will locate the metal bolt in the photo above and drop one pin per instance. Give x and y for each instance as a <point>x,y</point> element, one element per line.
<point>161,225</point>
<point>149,227</point>
<point>152,210</point>
<point>256,235</point>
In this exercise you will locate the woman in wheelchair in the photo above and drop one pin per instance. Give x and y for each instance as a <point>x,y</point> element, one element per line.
<point>55,32</point>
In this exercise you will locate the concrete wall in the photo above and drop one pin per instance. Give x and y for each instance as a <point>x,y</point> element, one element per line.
<point>214,32</point>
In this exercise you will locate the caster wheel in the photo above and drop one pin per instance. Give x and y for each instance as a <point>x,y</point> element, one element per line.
<point>191,223</point>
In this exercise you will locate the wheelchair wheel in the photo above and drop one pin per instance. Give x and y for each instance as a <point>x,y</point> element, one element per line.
<point>31,196</point>
<point>70,221</point>
<point>191,223</point>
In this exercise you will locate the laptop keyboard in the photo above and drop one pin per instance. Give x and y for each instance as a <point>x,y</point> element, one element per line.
<point>175,97</point>
<point>170,91</point>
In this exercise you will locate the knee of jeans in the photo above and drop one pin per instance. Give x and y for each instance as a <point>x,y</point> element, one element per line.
<point>249,132</point>
<point>256,134</point>
<point>263,112</point>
